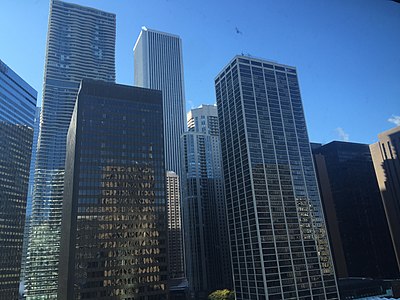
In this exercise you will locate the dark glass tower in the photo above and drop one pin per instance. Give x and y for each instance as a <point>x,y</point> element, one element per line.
<point>114,225</point>
<point>208,265</point>
<point>356,221</point>
<point>80,44</point>
<point>17,112</point>
<point>278,238</point>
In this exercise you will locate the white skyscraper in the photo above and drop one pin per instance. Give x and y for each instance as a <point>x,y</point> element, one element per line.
<point>158,65</point>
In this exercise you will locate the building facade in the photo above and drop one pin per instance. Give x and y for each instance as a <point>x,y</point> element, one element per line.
<point>386,158</point>
<point>279,245</point>
<point>29,198</point>
<point>17,112</point>
<point>208,265</point>
<point>114,225</point>
<point>175,252</point>
<point>158,65</point>
<point>355,217</point>
<point>80,44</point>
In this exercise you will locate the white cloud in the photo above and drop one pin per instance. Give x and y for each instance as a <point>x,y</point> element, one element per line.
<point>190,103</point>
<point>395,120</point>
<point>342,134</point>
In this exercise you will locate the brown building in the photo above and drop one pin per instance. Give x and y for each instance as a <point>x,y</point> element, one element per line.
<point>386,158</point>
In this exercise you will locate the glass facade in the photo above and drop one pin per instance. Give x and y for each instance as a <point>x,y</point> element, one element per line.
<point>353,207</point>
<point>80,44</point>
<point>278,238</point>
<point>208,265</point>
<point>114,225</point>
<point>29,198</point>
<point>17,112</point>
<point>175,250</point>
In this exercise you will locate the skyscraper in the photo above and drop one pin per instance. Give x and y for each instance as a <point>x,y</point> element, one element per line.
<point>355,217</point>
<point>208,265</point>
<point>114,225</point>
<point>278,238</point>
<point>386,158</point>
<point>17,112</point>
<point>158,65</point>
<point>80,44</point>
<point>175,252</point>
<point>29,198</point>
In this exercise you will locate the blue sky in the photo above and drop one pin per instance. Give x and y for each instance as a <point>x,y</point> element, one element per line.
<point>347,53</point>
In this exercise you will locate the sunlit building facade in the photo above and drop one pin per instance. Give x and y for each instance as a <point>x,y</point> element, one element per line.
<point>158,65</point>
<point>80,44</point>
<point>279,243</point>
<point>17,112</point>
<point>386,157</point>
<point>114,225</point>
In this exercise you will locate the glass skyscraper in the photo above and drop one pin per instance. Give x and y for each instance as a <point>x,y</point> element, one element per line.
<point>114,225</point>
<point>80,44</point>
<point>29,197</point>
<point>278,237</point>
<point>17,112</point>
<point>354,212</point>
